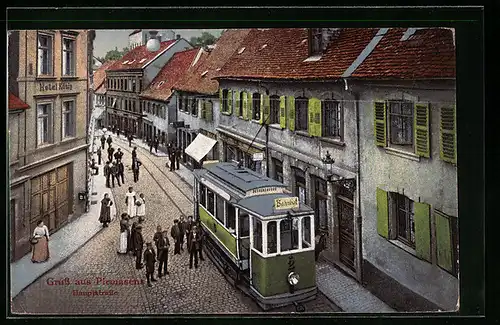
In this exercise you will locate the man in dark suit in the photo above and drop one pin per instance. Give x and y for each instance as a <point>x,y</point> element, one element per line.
<point>99,155</point>
<point>156,144</point>
<point>200,231</point>
<point>175,233</point>
<point>156,238</point>
<point>135,169</point>
<point>114,174</point>
<point>150,260</point>
<point>118,154</point>
<point>194,246</point>
<point>178,152</point>
<point>163,245</point>
<point>103,141</point>
<point>110,153</point>
<point>109,141</point>
<point>134,153</point>
<point>107,173</point>
<point>182,228</point>
<point>130,137</point>
<point>121,170</point>
<point>138,246</point>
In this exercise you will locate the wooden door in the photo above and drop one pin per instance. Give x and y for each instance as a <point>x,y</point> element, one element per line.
<point>62,195</point>
<point>346,231</point>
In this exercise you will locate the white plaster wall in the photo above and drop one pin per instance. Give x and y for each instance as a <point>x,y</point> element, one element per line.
<point>430,180</point>
<point>196,122</point>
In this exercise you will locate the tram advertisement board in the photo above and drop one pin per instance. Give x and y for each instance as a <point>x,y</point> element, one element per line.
<point>286,203</point>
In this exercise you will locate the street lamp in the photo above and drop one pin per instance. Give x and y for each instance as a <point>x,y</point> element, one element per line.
<point>328,161</point>
<point>153,43</point>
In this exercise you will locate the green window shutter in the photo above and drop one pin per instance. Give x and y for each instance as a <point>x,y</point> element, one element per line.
<point>209,111</point>
<point>290,106</point>
<point>282,112</point>
<point>380,123</point>
<point>245,109</point>
<point>229,101</point>
<point>421,130</point>
<point>311,110</point>
<point>221,98</point>
<point>382,213</point>
<point>237,103</point>
<point>318,118</point>
<point>261,115</point>
<point>448,134</point>
<point>249,106</point>
<point>422,230</point>
<point>267,108</point>
<point>443,241</point>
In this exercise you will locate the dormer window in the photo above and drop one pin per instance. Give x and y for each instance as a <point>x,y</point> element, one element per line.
<point>315,41</point>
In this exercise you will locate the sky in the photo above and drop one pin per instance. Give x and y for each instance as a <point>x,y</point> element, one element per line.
<point>107,40</point>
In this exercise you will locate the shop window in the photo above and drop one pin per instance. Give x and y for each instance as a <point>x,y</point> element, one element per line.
<point>220,209</point>
<point>210,202</point>
<point>306,232</point>
<point>244,224</point>
<point>203,197</point>
<point>230,216</point>
<point>289,232</point>
<point>272,235</point>
<point>257,234</point>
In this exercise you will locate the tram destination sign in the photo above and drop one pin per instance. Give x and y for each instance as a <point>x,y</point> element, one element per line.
<point>286,203</point>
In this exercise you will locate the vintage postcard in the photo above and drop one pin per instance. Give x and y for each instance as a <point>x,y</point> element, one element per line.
<point>202,171</point>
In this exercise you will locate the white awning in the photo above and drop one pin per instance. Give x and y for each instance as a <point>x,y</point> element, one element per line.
<point>200,147</point>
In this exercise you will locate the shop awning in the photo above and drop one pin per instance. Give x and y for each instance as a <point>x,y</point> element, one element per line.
<point>200,147</point>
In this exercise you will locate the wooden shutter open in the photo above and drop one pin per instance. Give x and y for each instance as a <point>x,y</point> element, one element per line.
<point>221,98</point>
<point>444,241</point>
<point>318,114</point>
<point>237,103</point>
<point>380,123</point>
<point>290,105</point>
<point>282,112</point>
<point>204,110</point>
<point>311,109</point>
<point>421,130</point>
<point>244,106</point>
<point>266,108</point>
<point>422,230</point>
<point>382,213</point>
<point>448,134</point>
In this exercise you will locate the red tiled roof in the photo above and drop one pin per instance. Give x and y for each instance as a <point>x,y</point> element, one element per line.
<point>139,56</point>
<point>427,54</point>
<point>227,44</point>
<point>161,86</point>
<point>16,103</point>
<point>100,74</point>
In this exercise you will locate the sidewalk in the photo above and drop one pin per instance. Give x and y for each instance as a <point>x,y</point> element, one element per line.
<point>65,241</point>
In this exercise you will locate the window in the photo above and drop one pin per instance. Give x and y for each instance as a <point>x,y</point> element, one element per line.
<point>274,102</point>
<point>133,85</point>
<point>331,119</point>
<point>272,235</point>
<point>194,107</point>
<point>401,123</point>
<point>244,224</point>
<point>256,106</point>
<point>278,170</point>
<point>225,106</point>
<point>231,216</point>
<point>301,114</point>
<point>133,105</point>
<point>300,185</point>
<point>240,109</point>
<point>203,198</point>
<point>69,57</point>
<point>210,202</point>
<point>68,119</point>
<point>45,55</point>
<point>289,232</point>
<point>140,86</point>
<point>220,209</point>
<point>44,124</point>
<point>404,218</point>
<point>315,41</point>
<point>257,234</point>
<point>306,232</point>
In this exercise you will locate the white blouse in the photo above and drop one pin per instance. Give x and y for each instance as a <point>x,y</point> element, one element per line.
<point>41,231</point>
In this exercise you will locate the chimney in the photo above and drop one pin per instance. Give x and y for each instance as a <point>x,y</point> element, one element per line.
<point>178,36</point>
<point>328,35</point>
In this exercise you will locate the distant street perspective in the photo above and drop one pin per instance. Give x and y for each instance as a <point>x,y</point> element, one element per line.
<point>232,171</point>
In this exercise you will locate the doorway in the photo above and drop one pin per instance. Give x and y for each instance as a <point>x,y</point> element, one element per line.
<point>345,214</point>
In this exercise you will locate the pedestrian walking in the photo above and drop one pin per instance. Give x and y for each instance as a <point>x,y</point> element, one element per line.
<point>103,141</point>
<point>130,202</point>
<point>134,153</point>
<point>124,233</point>
<point>121,170</point>
<point>114,174</point>
<point>188,226</point>
<point>156,144</point>
<point>150,260</point>
<point>138,246</point>
<point>156,238</point>
<point>105,215</point>
<point>107,173</point>
<point>171,158</point>
<point>110,153</point>
<point>201,236</point>
<point>130,138</point>
<point>99,155</point>
<point>136,164</point>
<point>194,247</point>
<point>40,242</point>
<point>182,228</point>
<point>163,246</point>
<point>169,148</point>
<point>119,154</point>
<point>175,233</point>
<point>150,143</point>
<point>140,211</point>
<point>131,238</point>
<point>109,141</point>
<point>178,152</point>
<point>118,133</point>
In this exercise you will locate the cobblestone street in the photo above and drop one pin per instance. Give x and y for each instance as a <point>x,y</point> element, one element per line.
<point>203,290</point>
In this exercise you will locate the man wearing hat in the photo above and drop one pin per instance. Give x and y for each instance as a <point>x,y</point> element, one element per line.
<point>138,246</point>
<point>150,260</point>
<point>163,245</point>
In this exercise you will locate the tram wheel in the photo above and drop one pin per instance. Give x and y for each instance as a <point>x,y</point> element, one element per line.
<point>300,308</point>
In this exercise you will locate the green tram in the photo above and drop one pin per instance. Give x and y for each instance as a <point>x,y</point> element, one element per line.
<point>257,234</point>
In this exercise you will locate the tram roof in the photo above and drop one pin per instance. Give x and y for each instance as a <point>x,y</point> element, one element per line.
<point>244,179</point>
<point>264,205</point>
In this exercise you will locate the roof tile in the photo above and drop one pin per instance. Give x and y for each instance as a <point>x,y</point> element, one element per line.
<point>138,57</point>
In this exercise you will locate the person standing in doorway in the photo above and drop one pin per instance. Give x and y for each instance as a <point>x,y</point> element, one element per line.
<point>103,141</point>
<point>109,140</point>
<point>40,242</point>
<point>130,202</point>
<point>99,154</point>
<point>105,215</point>
<point>110,153</point>
<point>194,247</point>
<point>141,208</point>
<point>121,170</point>
<point>135,169</point>
<point>175,233</point>
<point>182,228</point>
<point>150,260</point>
<point>163,245</point>
<point>138,247</point>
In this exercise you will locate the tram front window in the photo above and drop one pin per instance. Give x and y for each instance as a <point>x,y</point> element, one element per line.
<point>289,232</point>
<point>257,234</point>
<point>306,232</point>
<point>272,235</point>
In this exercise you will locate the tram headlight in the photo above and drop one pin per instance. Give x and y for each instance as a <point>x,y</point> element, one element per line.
<point>293,278</point>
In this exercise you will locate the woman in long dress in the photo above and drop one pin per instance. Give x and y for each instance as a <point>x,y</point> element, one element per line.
<point>40,243</point>
<point>105,216</point>
<point>124,229</point>
<point>131,239</point>
<point>130,202</point>
<point>141,208</point>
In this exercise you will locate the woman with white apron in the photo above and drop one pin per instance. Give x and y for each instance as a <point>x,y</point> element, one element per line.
<point>124,232</point>
<point>130,202</point>
<point>141,207</point>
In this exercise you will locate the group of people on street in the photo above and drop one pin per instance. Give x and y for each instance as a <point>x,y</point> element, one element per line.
<point>174,156</point>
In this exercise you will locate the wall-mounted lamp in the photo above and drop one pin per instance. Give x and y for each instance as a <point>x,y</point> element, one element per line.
<point>328,161</point>
<point>153,43</point>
